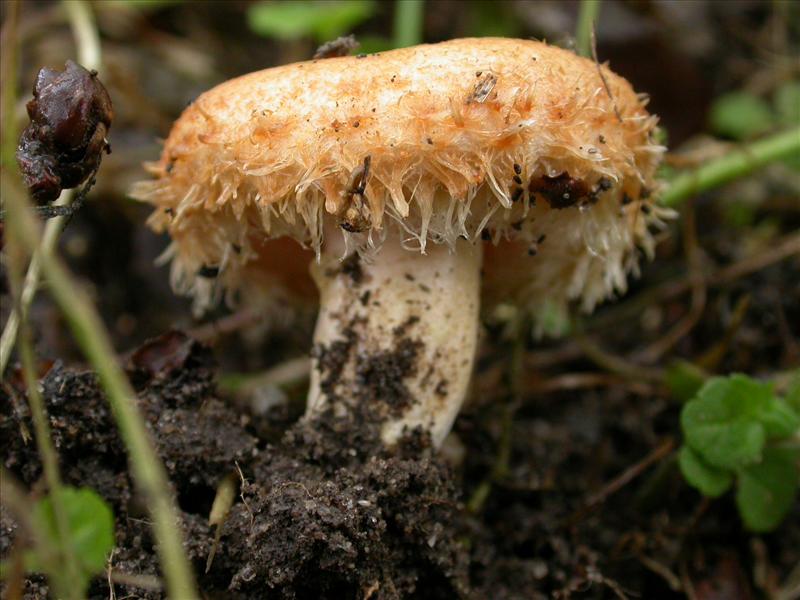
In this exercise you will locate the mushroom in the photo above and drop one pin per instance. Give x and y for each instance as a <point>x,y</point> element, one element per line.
<point>418,183</point>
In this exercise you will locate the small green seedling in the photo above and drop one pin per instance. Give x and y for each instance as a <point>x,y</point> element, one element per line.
<point>90,522</point>
<point>741,115</point>
<point>737,430</point>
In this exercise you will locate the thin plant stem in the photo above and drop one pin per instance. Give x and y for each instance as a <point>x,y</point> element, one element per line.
<point>737,163</point>
<point>616,364</point>
<point>15,264</point>
<point>8,143</point>
<point>587,19</point>
<point>71,571</point>
<point>87,41</point>
<point>51,232</point>
<point>81,21</point>
<point>8,95</point>
<point>408,21</point>
<point>46,450</point>
<point>93,339</point>
<point>284,374</point>
<point>515,376</point>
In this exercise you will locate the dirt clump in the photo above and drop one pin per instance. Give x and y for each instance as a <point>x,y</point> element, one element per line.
<point>326,513</point>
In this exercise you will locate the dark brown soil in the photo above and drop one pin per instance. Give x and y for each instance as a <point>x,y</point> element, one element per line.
<point>324,514</point>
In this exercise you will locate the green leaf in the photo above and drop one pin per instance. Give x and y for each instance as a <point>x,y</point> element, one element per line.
<point>767,490</point>
<point>324,21</point>
<point>740,115</point>
<point>792,396</point>
<point>779,419</point>
<point>722,422</point>
<point>484,20</point>
<point>552,320</point>
<point>91,529</point>
<point>787,103</point>
<point>727,426</point>
<point>711,482</point>
<point>684,379</point>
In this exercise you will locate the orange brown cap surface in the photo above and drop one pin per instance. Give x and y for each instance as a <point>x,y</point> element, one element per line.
<point>511,143</point>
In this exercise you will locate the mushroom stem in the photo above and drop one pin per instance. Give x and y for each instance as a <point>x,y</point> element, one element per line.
<point>396,335</point>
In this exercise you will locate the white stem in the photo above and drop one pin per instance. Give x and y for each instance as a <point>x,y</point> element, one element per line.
<point>398,332</point>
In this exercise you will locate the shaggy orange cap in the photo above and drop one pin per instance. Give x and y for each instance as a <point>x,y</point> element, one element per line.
<point>514,142</point>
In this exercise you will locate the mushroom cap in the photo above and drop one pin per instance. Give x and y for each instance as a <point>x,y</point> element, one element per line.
<point>547,155</point>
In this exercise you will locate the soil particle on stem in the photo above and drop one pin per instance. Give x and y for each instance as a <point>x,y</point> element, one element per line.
<point>351,267</point>
<point>332,359</point>
<point>380,377</point>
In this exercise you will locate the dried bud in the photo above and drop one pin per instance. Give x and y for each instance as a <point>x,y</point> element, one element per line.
<point>62,146</point>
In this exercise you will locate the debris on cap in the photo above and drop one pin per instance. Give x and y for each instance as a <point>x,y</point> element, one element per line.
<point>341,46</point>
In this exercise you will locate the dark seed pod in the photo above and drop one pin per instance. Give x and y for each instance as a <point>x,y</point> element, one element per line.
<point>62,146</point>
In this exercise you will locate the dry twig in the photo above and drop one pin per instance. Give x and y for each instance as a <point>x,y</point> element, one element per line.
<point>622,480</point>
<point>697,281</point>
<point>603,77</point>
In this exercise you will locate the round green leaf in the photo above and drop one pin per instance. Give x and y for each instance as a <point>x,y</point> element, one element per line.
<point>767,490</point>
<point>779,419</point>
<point>792,397</point>
<point>722,422</point>
<point>711,482</point>
<point>91,526</point>
<point>787,103</point>
<point>740,115</point>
